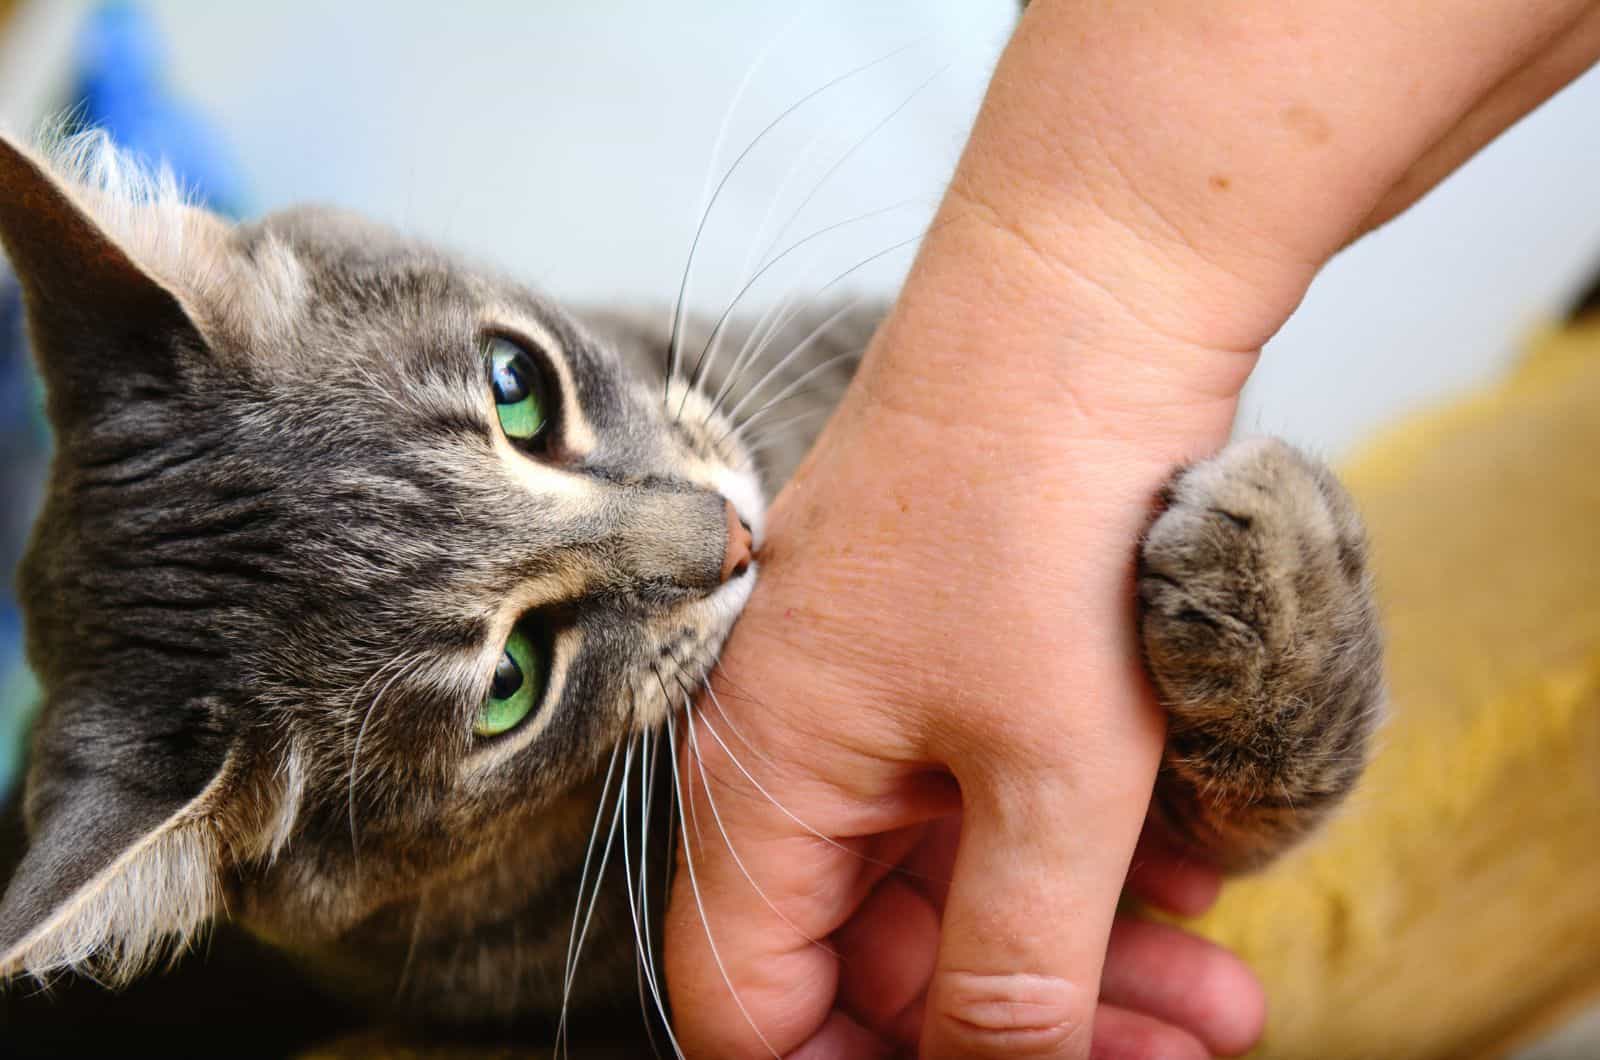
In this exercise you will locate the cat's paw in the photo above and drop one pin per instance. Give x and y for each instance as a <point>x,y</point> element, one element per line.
<point>1259,632</point>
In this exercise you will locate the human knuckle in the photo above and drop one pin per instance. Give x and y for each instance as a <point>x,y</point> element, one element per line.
<point>1012,1014</point>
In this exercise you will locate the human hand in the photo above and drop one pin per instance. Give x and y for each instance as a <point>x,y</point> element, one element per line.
<point>945,617</point>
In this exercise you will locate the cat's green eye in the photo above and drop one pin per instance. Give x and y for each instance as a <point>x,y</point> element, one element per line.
<point>519,684</point>
<point>519,398</point>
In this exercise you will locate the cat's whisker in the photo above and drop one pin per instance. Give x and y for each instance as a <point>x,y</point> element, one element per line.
<point>647,775</point>
<point>756,340</point>
<point>774,435</point>
<point>727,719</point>
<point>647,962</point>
<point>583,877</point>
<point>722,321</point>
<point>705,723</point>
<point>839,163</point>
<point>411,947</point>
<point>692,817</point>
<point>777,328</point>
<point>784,361</point>
<point>714,343</point>
<point>785,394</point>
<point>637,910</point>
<point>694,889</point>
<point>777,318</point>
<point>409,665</point>
<point>705,215</point>
<point>716,153</point>
<point>646,966</point>
<point>716,817</point>
<point>778,430</point>
<point>594,893</point>
<point>732,414</point>
<point>752,258</point>
<point>825,127</point>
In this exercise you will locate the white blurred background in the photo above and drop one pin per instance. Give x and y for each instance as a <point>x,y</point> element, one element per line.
<point>571,143</point>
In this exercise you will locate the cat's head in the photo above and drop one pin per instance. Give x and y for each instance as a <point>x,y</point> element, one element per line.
<point>354,561</point>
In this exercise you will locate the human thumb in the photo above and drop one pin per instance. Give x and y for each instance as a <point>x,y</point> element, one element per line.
<point>1038,871</point>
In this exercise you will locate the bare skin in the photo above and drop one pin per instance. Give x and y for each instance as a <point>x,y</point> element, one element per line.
<point>938,671</point>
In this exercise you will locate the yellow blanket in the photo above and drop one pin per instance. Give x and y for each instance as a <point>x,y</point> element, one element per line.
<point>1454,909</point>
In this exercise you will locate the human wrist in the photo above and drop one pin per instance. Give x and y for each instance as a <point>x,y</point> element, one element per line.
<point>991,334</point>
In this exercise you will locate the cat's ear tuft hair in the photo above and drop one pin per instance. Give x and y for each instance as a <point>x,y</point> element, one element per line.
<point>121,872</point>
<point>102,326</point>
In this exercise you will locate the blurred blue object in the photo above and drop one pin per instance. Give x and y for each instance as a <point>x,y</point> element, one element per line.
<point>119,85</point>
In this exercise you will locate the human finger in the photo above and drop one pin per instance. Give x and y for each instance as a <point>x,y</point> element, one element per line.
<point>1185,981</point>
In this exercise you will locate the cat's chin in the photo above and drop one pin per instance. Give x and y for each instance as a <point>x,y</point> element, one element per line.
<point>681,667</point>
<point>725,604</point>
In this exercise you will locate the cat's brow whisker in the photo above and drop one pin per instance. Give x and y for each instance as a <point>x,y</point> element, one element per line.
<point>705,215</point>
<point>694,888</point>
<point>574,941</point>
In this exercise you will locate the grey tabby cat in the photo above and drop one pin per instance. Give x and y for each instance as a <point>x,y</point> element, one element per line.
<point>358,564</point>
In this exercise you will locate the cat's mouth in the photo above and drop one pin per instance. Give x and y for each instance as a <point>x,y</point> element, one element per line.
<point>687,652</point>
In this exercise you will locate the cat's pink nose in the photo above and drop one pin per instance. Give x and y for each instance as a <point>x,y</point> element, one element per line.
<point>736,560</point>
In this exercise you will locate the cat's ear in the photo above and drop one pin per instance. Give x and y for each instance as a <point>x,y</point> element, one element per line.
<point>102,327</point>
<point>124,866</point>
